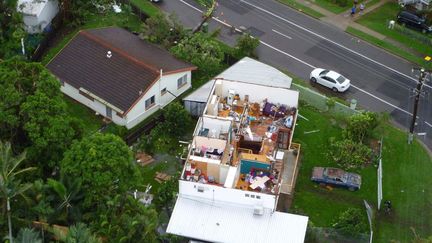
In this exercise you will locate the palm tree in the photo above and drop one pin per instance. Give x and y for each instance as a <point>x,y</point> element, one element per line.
<point>10,185</point>
<point>69,194</point>
<point>76,233</point>
<point>28,235</point>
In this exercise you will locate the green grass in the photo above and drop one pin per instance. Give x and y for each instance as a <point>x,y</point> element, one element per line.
<point>145,6</point>
<point>333,7</point>
<point>378,19</point>
<point>385,45</point>
<point>406,168</point>
<point>91,122</point>
<point>302,8</point>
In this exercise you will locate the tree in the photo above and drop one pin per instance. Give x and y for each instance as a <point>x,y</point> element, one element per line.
<point>10,183</point>
<point>246,45</point>
<point>104,165</point>
<point>167,193</point>
<point>164,137</point>
<point>202,51</point>
<point>351,222</point>
<point>360,126</point>
<point>11,29</point>
<point>77,233</point>
<point>161,30</point>
<point>211,7</point>
<point>348,153</point>
<point>68,195</point>
<point>28,235</point>
<point>33,113</point>
<point>127,220</point>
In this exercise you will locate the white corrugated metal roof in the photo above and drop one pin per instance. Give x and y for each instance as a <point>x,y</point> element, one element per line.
<point>31,7</point>
<point>246,70</point>
<point>222,222</point>
<point>202,93</point>
<point>255,72</point>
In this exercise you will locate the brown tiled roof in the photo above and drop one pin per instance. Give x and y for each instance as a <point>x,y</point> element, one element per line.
<point>133,66</point>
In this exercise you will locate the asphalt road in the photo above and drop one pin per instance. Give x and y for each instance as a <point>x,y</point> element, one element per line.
<point>298,43</point>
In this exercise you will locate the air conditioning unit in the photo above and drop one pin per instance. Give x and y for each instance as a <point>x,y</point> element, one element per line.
<point>258,210</point>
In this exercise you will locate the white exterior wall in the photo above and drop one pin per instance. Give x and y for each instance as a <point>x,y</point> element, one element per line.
<point>36,24</point>
<point>257,93</point>
<point>139,113</point>
<point>235,196</point>
<point>94,105</point>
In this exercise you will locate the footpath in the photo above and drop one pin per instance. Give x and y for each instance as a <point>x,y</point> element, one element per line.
<point>345,20</point>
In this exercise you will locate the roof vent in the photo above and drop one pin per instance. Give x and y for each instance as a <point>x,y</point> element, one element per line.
<point>140,92</point>
<point>109,54</point>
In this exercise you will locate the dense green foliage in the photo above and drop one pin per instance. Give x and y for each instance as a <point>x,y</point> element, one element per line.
<point>33,113</point>
<point>11,29</point>
<point>104,165</point>
<point>351,222</point>
<point>202,51</point>
<point>245,46</point>
<point>164,31</point>
<point>349,154</point>
<point>360,126</point>
<point>164,137</point>
<point>11,185</point>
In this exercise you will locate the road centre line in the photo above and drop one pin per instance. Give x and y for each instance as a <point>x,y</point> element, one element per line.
<point>301,61</point>
<point>333,42</point>
<point>277,32</point>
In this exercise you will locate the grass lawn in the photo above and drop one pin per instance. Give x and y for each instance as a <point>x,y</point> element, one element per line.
<point>406,172</point>
<point>146,6</point>
<point>378,20</point>
<point>302,8</point>
<point>90,121</point>
<point>386,45</point>
<point>333,7</point>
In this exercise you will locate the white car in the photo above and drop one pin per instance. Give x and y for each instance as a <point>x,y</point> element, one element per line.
<point>330,79</point>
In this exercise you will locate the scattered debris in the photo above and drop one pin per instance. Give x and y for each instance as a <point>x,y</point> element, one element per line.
<point>313,131</point>
<point>302,117</point>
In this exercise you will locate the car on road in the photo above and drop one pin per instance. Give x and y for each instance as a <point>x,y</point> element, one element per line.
<point>155,1</point>
<point>330,79</point>
<point>412,20</point>
<point>336,177</point>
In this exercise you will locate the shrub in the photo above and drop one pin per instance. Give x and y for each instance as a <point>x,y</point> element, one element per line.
<point>360,126</point>
<point>351,222</point>
<point>246,45</point>
<point>348,153</point>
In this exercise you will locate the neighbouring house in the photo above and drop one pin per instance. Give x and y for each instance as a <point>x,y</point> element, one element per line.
<point>247,70</point>
<point>118,75</point>
<point>37,14</point>
<point>241,161</point>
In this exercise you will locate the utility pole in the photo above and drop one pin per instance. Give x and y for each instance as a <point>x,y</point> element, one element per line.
<point>417,91</point>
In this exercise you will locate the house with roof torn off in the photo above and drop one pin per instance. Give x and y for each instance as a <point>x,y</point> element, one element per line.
<point>241,160</point>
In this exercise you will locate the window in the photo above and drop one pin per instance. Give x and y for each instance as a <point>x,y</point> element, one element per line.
<point>163,91</point>
<point>150,102</point>
<point>252,196</point>
<point>109,112</point>
<point>181,81</point>
<point>246,195</point>
<point>258,197</point>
